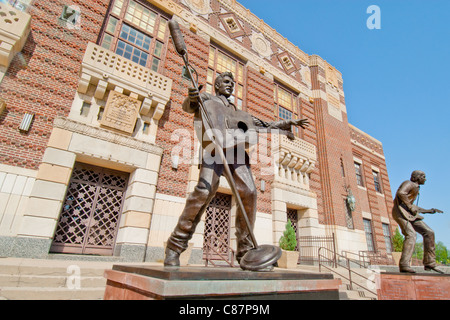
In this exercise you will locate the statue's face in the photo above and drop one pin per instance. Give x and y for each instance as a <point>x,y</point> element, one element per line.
<point>421,178</point>
<point>225,87</point>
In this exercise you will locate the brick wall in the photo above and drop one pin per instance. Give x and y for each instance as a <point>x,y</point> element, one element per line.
<point>333,145</point>
<point>174,182</point>
<point>260,103</point>
<point>378,205</point>
<point>43,78</point>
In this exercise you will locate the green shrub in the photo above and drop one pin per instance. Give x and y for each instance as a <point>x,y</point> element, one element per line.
<point>288,240</point>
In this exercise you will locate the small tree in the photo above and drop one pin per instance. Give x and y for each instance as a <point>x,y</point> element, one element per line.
<point>397,241</point>
<point>442,253</point>
<point>288,240</point>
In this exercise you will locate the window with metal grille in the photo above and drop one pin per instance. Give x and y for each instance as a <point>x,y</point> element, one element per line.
<point>369,235</point>
<point>136,32</point>
<point>359,176</point>
<point>348,215</point>
<point>286,105</point>
<point>377,181</point>
<point>219,62</point>
<point>387,237</point>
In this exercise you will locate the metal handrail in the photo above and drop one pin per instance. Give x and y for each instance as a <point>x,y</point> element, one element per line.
<point>210,247</point>
<point>347,266</point>
<point>361,258</point>
<point>376,257</point>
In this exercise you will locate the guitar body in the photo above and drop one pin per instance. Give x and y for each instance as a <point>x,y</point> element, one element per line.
<point>408,215</point>
<point>230,128</point>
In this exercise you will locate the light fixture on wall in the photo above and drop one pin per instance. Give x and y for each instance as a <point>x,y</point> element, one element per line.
<point>263,186</point>
<point>26,122</point>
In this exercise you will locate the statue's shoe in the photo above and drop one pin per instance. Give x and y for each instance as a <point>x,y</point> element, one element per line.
<point>407,270</point>
<point>427,268</point>
<point>172,258</point>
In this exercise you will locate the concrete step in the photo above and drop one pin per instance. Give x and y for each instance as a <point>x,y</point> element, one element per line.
<point>44,279</point>
<point>353,295</point>
<point>358,292</point>
<point>49,281</point>
<point>57,278</point>
<point>33,293</point>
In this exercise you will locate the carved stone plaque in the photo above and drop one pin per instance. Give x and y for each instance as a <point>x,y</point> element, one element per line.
<point>121,112</point>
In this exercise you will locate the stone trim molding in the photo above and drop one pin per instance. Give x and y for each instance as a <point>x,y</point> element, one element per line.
<point>106,135</point>
<point>294,159</point>
<point>107,70</point>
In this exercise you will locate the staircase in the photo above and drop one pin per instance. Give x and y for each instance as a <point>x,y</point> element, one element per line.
<point>357,289</point>
<point>35,279</point>
<point>347,291</point>
<point>59,279</point>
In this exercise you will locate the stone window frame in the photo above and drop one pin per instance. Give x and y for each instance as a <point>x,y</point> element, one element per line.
<point>377,180</point>
<point>387,237</point>
<point>368,231</point>
<point>114,22</point>
<point>359,172</point>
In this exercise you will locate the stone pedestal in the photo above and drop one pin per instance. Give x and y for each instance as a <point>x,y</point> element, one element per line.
<point>159,283</point>
<point>401,286</point>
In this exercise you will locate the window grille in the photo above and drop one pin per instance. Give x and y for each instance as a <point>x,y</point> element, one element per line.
<point>91,211</point>
<point>292,215</point>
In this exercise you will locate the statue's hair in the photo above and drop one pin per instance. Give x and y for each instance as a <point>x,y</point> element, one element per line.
<point>415,174</point>
<point>223,75</point>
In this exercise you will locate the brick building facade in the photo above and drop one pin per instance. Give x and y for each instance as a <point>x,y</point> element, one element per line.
<point>97,155</point>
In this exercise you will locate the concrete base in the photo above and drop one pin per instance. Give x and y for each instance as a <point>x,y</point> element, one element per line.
<point>401,286</point>
<point>23,247</point>
<point>159,283</point>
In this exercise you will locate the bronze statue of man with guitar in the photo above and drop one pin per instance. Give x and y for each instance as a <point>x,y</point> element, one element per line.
<point>225,128</point>
<point>406,214</point>
<point>223,114</point>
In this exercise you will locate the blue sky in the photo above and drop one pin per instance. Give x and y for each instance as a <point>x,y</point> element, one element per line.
<point>396,79</point>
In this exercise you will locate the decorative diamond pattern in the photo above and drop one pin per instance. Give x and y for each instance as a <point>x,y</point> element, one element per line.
<point>293,216</point>
<point>218,222</point>
<point>91,211</point>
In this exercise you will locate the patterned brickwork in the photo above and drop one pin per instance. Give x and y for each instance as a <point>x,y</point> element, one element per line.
<point>174,182</point>
<point>43,78</point>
